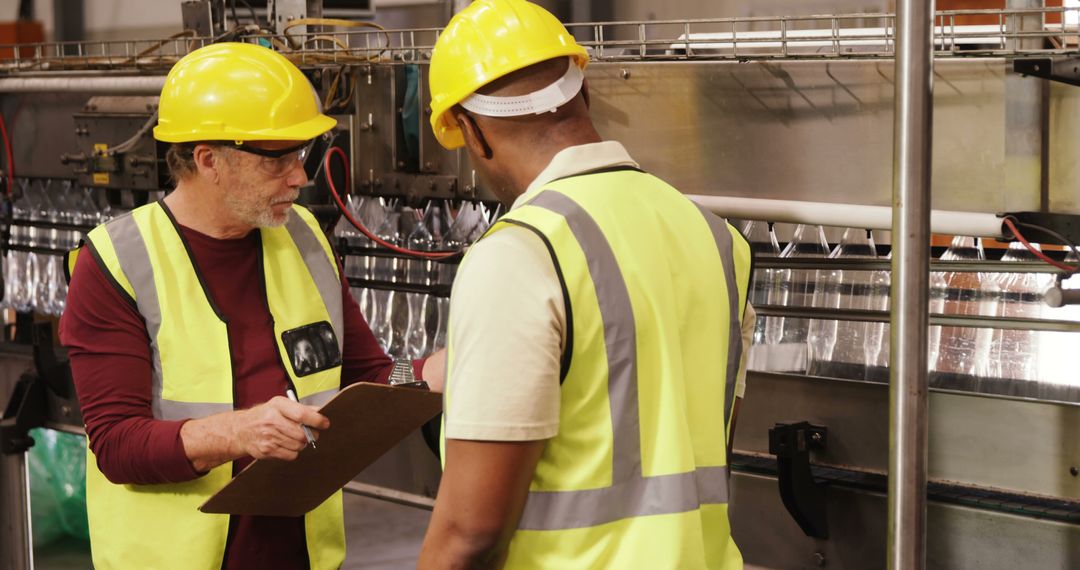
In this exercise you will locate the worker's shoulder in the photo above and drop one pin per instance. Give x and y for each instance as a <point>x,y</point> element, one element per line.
<point>512,251</point>
<point>510,240</point>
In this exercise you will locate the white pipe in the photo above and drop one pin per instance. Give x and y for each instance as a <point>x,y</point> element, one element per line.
<point>846,215</point>
<point>129,85</point>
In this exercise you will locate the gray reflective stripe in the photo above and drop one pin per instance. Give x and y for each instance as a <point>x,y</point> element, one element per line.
<point>134,260</point>
<point>319,398</point>
<point>173,410</point>
<point>631,494</point>
<point>723,243</point>
<point>620,332</point>
<point>635,497</point>
<point>321,269</point>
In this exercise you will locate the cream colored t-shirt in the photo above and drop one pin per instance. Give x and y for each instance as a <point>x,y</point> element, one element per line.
<point>508,323</point>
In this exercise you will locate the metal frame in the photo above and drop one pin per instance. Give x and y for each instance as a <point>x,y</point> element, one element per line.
<point>913,36</point>
<point>789,37</point>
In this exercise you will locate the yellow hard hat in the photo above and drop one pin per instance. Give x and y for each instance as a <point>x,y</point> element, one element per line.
<point>238,92</point>
<point>485,41</point>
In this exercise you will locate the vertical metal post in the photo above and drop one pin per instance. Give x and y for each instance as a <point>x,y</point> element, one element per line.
<point>16,548</point>
<point>16,544</point>
<point>590,11</point>
<point>69,23</point>
<point>1018,23</point>
<point>908,395</point>
<point>458,5</point>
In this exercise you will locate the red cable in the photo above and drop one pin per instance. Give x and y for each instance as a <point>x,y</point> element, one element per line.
<point>1038,253</point>
<point>10,159</point>
<point>348,216</point>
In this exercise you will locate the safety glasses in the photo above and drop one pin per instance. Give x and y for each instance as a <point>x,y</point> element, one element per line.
<point>277,162</point>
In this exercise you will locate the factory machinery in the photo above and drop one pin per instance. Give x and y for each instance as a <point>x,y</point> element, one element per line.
<point>785,125</point>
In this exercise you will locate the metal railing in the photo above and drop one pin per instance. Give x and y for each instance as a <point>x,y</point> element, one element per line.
<point>956,33</point>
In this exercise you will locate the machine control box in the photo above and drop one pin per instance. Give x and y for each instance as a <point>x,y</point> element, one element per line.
<point>116,145</point>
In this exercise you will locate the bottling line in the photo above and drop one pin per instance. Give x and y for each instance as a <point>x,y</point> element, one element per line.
<point>783,124</point>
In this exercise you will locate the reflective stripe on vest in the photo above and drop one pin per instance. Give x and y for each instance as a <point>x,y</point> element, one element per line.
<point>735,347</point>
<point>632,495</point>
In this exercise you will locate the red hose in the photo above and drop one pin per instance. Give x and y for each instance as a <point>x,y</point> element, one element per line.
<point>1036,251</point>
<point>10,158</point>
<point>348,216</point>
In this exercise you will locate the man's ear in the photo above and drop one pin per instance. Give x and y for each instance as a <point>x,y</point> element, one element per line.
<point>585,91</point>
<point>207,162</point>
<point>474,137</point>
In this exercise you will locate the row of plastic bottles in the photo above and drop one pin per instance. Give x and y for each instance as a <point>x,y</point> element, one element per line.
<point>978,359</point>
<point>54,202</point>
<point>408,325</point>
<point>436,227</point>
<point>846,349</point>
<point>35,281</point>
<point>1019,362</point>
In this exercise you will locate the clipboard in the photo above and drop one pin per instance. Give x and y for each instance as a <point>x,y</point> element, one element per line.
<point>366,420</point>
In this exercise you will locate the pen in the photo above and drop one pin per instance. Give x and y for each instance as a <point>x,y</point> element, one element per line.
<point>307,431</point>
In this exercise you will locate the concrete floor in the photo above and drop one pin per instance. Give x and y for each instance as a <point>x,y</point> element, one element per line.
<point>381,535</point>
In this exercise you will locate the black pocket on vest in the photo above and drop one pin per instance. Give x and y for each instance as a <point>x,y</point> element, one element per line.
<point>312,348</point>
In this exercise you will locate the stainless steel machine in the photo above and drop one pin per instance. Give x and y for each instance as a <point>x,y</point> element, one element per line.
<point>785,124</point>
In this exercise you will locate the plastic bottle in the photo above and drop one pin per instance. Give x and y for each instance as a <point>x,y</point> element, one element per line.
<point>849,349</point>
<point>1058,379</point>
<point>790,352</point>
<point>937,307</point>
<point>964,293</point>
<point>1014,353</point>
<point>766,290</point>
<point>876,341</point>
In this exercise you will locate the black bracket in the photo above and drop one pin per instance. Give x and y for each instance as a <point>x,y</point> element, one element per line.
<point>24,412</point>
<point>1067,225</point>
<point>1060,69</point>
<point>803,498</point>
<point>44,394</point>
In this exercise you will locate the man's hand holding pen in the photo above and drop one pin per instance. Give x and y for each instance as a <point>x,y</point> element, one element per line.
<point>276,429</point>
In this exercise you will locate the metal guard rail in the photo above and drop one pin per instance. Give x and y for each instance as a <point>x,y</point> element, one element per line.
<point>854,36</point>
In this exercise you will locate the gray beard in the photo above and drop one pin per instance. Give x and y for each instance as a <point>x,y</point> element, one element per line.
<point>255,217</point>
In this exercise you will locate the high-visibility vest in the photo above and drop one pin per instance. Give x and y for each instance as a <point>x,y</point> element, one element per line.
<point>146,258</point>
<point>655,291</point>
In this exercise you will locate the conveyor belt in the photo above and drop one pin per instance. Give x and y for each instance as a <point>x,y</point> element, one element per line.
<point>991,499</point>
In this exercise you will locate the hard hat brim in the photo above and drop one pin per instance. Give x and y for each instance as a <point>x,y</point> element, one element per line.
<point>306,130</point>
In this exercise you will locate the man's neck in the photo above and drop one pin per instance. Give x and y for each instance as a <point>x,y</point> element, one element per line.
<point>201,209</point>
<point>539,158</point>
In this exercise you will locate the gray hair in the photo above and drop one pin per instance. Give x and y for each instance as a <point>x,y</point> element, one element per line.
<point>181,161</point>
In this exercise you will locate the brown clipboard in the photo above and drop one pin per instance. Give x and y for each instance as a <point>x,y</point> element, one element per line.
<point>366,420</point>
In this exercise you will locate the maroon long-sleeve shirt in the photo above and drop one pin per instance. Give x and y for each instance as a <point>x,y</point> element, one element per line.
<point>110,361</point>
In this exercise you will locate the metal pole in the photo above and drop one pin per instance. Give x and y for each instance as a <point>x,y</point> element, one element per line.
<point>16,550</point>
<point>1025,23</point>
<point>69,23</point>
<point>389,495</point>
<point>127,85</point>
<point>458,5</point>
<point>908,388</point>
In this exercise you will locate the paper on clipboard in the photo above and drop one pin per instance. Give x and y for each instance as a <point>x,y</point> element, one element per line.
<point>366,420</point>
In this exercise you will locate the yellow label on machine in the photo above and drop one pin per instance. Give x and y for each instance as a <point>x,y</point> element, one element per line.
<point>101,177</point>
